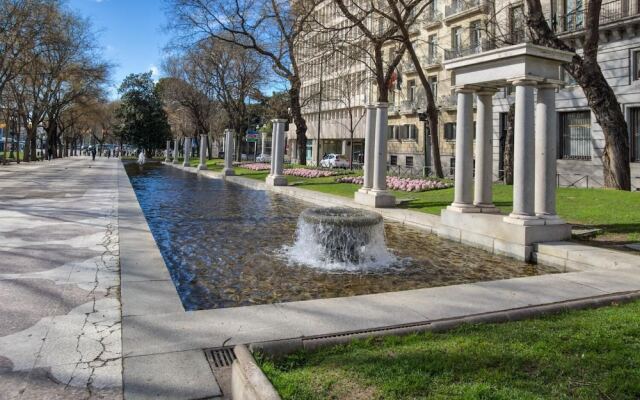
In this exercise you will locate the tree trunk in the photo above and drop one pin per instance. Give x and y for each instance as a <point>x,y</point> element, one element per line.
<point>299,121</point>
<point>600,96</point>
<point>508,146</point>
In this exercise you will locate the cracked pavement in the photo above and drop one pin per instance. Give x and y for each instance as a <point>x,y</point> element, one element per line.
<point>60,309</point>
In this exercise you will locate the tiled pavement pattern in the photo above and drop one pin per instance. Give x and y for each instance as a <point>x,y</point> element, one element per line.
<point>60,314</point>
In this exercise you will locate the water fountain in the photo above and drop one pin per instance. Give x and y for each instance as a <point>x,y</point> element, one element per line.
<point>336,238</point>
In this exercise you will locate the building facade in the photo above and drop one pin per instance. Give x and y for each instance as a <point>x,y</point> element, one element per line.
<point>451,29</point>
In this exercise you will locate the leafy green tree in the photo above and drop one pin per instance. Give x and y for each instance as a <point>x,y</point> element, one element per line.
<point>142,120</point>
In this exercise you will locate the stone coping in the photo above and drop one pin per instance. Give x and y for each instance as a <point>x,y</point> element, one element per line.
<point>248,382</point>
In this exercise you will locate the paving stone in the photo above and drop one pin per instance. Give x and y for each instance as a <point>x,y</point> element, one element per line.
<point>181,376</point>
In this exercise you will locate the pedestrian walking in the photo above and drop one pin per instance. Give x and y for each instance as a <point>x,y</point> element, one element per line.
<point>93,154</point>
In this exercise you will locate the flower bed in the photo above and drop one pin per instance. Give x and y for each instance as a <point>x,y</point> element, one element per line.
<point>309,173</point>
<point>256,166</point>
<point>402,184</point>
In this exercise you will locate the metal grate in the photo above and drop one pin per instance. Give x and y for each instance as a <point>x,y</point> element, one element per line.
<point>221,357</point>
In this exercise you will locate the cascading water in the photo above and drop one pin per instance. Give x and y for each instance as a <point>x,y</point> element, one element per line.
<point>337,238</point>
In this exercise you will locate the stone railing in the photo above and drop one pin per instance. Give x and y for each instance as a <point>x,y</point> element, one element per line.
<point>460,6</point>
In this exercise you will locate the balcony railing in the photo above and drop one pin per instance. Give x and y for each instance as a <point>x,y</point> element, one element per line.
<point>447,101</point>
<point>408,107</point>
<point>431,17</point>
<point>459,6</point>
<point>432,59</point>
<point>408,67</point>
<point>610,12</point>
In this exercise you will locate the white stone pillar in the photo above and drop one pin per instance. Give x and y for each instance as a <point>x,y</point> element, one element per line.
<point>203,152</point>
<point>187,151</point>
<point>228,153</point>
<point>167,156</point>
<point>463,191</point>
<point>483,189</point>
<point>523,156</point>
<point>263,146</point>
<point>381,197</point>
<point>276,177</point>
<point>176,153</point>
<point>369,148</point>
<point>546,154</point>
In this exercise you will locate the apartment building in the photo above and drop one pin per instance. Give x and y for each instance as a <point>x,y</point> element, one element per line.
<point>450,29</point>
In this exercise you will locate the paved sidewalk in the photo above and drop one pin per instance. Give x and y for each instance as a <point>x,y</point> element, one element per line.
<point>60,314</point>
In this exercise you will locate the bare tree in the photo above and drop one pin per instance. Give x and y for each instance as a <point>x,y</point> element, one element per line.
<point>600,96</point>
<point>273,29</point>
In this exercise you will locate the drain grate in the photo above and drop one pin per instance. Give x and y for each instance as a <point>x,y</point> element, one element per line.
<point>221,357</point>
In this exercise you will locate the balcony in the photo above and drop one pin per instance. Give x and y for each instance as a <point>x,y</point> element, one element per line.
<point>463,8</point>
<point>408,107</point>
<point>408,67</point>
<point>610,13</point>
<point>449,101</point>
<point>457,52</point>
<point>432,61</point>
<point>431,19</point>
<point>394,110</point>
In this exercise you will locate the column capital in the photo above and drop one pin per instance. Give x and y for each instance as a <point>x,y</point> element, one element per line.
<point>526,80</point>
<point>551,84</point>
<point>370,106</point>
<point>486,91</point>
<point>279,121</point>
<point>466,88</point>
<point>382,104</point>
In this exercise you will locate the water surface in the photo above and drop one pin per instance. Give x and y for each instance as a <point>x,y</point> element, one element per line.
<point>225,245</point>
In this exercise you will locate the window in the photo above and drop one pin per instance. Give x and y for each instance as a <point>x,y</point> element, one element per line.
<point>516,24</point>
<point>452,166</point>
<point>411,90</point>
<point>450,131</point>
<point>393,132</point>
<point>433,49</point>
<point>567,78</point>
<point>636,65</point>
<point>408,161</point>
<point>456,38</point>
<point>475,30</point>
<point>412,132</point>
<point>575,135</point>
<point>634,125</point>
<point>433,82</point>
<point>394,160</point>
<point>574,15</point>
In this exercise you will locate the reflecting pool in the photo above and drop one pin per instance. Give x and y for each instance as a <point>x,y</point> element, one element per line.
<point>227,246</point>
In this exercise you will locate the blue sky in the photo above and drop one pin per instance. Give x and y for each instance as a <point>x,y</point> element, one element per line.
<point>130,32</point>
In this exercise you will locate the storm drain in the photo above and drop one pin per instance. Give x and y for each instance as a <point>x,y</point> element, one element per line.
<point>221,357</point>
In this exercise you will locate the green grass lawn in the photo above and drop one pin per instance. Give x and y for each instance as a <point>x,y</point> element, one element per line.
<point>616,212</point>
<point>591,354</point>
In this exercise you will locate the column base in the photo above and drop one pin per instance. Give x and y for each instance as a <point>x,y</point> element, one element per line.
<point>463,208</point>
<point>487,208</point>
<point>167,160</point>
<point>523,220</point>
<point>202,167</point>
<point>228,172</point>
<point>186,164</point>
<point>176,161</point>
<point>375,198</point>
<point>551,219</point>
<point>277,180</point>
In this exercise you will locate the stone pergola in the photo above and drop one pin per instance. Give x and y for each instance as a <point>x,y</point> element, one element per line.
<point>203,153</point>
<point>472,217</point>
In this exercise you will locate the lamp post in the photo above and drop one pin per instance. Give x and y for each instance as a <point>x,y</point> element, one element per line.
<point>319,111</point>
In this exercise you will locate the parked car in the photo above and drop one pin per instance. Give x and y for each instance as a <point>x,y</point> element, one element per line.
<point>263,158</point>
<point>334,161</point>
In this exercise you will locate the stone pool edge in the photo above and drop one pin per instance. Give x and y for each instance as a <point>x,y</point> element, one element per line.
<point>146,289</point>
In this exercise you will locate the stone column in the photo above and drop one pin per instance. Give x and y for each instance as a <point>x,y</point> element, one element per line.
<point>276,177</point>
<point>483,194</point>
<point>176,153</point>
<point>187,151</point>
<point>380,196</point>
<point>545,154</point>
<point>203,152</point>
<point>463,191</point>
<point>369,148</point>
<point>263,145</point>
<point>167,157</point>
<point>228,153</point>
<point>523,155</point>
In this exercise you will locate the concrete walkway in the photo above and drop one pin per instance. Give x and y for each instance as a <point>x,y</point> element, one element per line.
<point>60,322</point>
